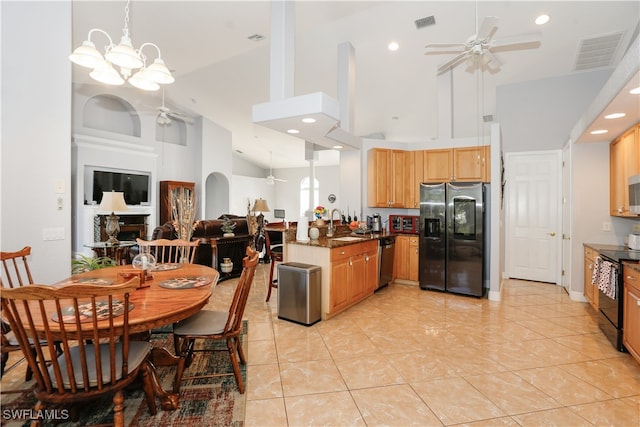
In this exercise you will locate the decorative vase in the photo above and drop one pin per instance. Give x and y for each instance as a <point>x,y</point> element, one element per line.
<point>314,233</point>
<point>228,234</point>
<point>319,222</point>
<point>226,265</point>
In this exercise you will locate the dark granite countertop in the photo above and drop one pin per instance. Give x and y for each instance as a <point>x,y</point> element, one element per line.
<point>335,242</point>
<point>615,252</point>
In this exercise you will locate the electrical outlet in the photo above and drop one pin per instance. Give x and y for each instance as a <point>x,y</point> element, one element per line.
<point>606,226</point>
<point>53,233</point>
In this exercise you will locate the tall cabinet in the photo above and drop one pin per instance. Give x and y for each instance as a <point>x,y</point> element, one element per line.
<point>166,187</point>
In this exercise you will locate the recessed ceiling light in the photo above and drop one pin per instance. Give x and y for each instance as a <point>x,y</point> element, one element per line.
<point>338,147</point>
<point>635,91</point>
<point>308,120</point>
<point>393,46</point>
<point>598,132</point>
<point>615,115</point>
<point>293,131</point>
<point>542,19</point>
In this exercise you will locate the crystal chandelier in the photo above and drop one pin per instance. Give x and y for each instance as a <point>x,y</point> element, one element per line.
<point>126,57</point>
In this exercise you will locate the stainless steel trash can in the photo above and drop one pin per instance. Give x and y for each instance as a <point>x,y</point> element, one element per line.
<point>299,293</point>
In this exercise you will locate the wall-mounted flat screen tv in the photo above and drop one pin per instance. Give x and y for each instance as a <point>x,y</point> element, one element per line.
<point>136,185</point>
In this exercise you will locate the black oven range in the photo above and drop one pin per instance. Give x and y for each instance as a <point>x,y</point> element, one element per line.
<point>611,302</point>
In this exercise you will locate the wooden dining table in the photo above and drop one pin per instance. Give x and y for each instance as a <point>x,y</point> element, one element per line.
<point>166,296</point>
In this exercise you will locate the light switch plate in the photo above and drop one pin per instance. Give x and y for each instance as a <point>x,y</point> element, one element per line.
<point>60,186</point>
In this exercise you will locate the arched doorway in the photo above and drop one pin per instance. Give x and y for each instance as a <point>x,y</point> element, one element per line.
<point>216,195</point>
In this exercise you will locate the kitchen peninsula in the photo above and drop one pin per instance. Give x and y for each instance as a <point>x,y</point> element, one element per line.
<point>349,265</point>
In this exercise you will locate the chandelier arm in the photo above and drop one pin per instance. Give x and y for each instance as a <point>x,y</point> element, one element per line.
<point>148,44</point>
<point>107,48</point>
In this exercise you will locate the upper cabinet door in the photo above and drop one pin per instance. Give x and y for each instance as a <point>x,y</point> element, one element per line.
<point>439,165</point>
<point>378,177</point>
<point>469,164</point>
<point>624,162</point>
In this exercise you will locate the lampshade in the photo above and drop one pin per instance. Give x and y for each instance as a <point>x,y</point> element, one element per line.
<point>158,72</point>
<point>105,73</point>
<point>86,55</point>
<point>112,201</point>
<point>260,205</point>
<point>141,81</point>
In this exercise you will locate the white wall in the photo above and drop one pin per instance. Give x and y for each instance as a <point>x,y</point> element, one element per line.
<point>539,115</point>
<point>36,133</point>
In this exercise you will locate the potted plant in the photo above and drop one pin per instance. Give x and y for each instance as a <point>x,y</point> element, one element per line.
<point>227,227</point>
<point>84,263</point>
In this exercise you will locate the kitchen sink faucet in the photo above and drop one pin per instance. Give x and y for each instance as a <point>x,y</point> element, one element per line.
<point>330,229</point>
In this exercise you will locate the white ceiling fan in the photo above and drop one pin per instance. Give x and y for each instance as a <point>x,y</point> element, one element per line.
<point>479,49</point>
<point>270,178</point>
<point>166,115</point>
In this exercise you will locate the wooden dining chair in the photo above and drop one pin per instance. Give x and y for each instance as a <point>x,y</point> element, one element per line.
<point>15,273</point>
<point>170,251</point>
<point>217,325</point>
<point>275,254</point>
<point>92,324</point>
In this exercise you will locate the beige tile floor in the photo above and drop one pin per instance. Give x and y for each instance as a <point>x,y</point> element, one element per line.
<point>410,357</point>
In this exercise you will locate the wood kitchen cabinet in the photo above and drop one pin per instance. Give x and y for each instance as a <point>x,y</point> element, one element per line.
<point>414,174</point>
<point>461,164</point>
<point>385,179</point>
<point>406,258</point>
<point>590,290</point>
<point>631,310</point>
<point>354,274</point>
<point>624,161</point>
<point>166,187</point>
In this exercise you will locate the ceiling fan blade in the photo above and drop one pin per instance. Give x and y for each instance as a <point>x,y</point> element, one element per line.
<point>452,62</point>
<point>445,45</point>
<point>280,180</point>
<point>522,41</point>
<point>181,117</point>
<point>488,27</point>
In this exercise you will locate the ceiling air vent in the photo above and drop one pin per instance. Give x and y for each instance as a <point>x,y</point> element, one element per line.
<point>597,52</point>
<point>425,22</point>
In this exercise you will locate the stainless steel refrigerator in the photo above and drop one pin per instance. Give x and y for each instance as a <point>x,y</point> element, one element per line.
<point>452,223</point>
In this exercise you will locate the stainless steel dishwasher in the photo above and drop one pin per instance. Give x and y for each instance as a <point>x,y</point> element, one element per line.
<point>386,253</point>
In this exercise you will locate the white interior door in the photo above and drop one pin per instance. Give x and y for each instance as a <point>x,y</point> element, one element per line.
<point>566,217</point>
<point>533,215</point>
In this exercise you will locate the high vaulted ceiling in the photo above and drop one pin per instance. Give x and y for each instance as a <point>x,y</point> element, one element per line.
<point>221,72</point>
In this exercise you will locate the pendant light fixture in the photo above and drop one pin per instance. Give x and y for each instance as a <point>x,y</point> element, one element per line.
<point>124,56</point>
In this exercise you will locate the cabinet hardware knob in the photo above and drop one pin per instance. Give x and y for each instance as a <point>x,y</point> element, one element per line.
<point>630,277</point>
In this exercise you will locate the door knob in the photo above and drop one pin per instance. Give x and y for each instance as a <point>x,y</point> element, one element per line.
<point>552,234</point>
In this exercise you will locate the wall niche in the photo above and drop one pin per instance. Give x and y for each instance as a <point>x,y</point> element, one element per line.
<point>112,114</point>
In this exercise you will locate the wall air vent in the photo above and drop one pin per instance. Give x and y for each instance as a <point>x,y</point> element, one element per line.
<point>425,22</point>
<point>597,52</point>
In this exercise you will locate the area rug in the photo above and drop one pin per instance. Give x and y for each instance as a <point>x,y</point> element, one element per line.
<point>203,402</point>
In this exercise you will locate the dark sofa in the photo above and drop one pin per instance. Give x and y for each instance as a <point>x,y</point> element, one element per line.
<point>214,247</point>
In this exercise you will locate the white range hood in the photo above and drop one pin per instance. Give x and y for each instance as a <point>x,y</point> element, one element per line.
<point>315,117</point>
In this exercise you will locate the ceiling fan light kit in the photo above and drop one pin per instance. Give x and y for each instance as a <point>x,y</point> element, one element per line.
<point>126,57</point>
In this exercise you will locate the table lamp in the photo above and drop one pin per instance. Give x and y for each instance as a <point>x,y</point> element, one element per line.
<point>112,201</point>
<point>260,205</point>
